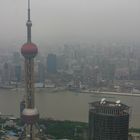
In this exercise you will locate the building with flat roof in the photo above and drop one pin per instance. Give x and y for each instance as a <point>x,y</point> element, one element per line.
<point>108,120</point>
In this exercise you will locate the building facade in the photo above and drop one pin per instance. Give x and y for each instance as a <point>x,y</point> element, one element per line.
<point>51,63</point>
<point>108,120</point>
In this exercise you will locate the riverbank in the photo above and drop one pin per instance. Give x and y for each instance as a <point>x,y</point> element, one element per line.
<point>59,90</point>
<point>111,93</point>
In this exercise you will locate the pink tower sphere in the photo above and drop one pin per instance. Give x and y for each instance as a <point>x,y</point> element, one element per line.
<point>29,50</point>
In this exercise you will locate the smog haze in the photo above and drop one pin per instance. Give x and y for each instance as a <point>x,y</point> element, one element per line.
<point>60,21</point>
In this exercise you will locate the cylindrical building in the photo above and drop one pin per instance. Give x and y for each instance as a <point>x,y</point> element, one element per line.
<point>108,120</point>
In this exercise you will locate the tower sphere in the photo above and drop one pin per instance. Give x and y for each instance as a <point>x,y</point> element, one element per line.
<point>29,50</point>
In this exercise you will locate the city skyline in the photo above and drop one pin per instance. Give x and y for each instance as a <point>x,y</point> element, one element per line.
<point>96,54</point>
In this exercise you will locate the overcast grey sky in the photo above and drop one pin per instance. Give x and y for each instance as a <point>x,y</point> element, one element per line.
<point>58,21</point>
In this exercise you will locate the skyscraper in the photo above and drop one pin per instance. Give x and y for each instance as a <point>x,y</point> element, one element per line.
<point>6,74</point>
<point>17,69</point>
<point>108,120</point>
<point>30,114</point>
<point>41,73</point>
<point>51,63</point>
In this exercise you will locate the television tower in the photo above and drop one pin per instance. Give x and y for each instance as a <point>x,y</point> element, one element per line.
<point>30,114</point>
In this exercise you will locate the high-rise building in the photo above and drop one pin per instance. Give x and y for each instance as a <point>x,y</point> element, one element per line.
<point>6,74</point>
<point>22,106</point>
<point>60,63</point>
<point>17,70</point>
<point>41,73</point>
<point>108,120</point>
<point>51,63</point>
<point>16,58</point>
<point>30,114</point>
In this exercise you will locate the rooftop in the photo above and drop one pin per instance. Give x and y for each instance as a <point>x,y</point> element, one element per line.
<point>109,104</point>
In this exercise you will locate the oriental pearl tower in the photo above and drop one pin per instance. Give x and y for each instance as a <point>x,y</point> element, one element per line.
<point>30,114</point>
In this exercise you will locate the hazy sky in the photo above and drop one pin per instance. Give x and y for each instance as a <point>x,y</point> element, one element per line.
<point>60,21</point>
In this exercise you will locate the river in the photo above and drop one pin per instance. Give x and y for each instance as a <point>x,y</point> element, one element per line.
<point>65,105</point>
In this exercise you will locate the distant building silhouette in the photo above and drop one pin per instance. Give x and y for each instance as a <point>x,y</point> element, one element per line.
<point>6,73</point>
<point>108,120</point>
<point>51,63</point>
<point>16,58</point>
<point>18,73</point>
<point>41,73</point>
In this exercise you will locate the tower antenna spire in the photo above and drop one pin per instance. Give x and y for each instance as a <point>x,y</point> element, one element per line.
<point>29,24</point>
<point>28,10</point>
